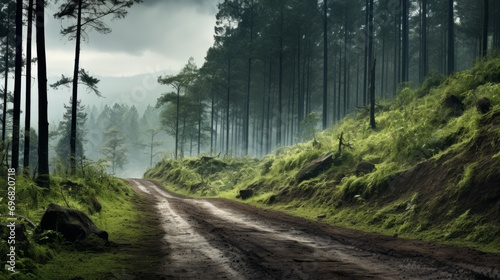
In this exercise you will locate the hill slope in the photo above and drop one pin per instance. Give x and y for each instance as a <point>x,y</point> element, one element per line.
<point>436,159</point>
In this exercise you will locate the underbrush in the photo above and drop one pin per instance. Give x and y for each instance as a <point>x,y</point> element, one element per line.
<point>45,255</point>
<point>435,156</point>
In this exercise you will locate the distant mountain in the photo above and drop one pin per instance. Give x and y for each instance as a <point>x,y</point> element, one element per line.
<point>139,90</point>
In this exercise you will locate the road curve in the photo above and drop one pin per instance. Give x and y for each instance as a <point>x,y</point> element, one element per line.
<point>221,239</point>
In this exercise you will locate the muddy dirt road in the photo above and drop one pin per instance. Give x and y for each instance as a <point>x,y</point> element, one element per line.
<point>220,239</point>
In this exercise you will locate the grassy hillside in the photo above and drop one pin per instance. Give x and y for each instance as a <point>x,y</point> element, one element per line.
<point>436,158</point>
<point>91,259</point>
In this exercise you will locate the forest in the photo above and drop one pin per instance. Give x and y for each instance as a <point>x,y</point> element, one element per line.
<point>386,92</point>
<point>277,66</point>
<point>277,73</point>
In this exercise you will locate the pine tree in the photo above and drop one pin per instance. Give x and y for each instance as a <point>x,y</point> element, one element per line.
<point>64,131</point>
<point>43,179</point>
<point>88,15</point>
<point>114,149</point>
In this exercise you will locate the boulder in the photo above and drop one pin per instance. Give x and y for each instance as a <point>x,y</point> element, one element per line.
<point>19,229</point>
<point>454,105</point>
<point>95,203</point>
<point>364,167</point>
<point>244,194</point>
<point>71,223</point>
<point>483,105</point>
<point>315,168</point>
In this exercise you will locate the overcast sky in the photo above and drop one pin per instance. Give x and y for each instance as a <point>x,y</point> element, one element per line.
<point>155,35</point>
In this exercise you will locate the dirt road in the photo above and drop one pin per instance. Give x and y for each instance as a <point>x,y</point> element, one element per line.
<point>221,239</point>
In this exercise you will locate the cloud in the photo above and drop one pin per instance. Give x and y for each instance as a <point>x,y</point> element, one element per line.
<point>202,6</point>
<point>166,32</point>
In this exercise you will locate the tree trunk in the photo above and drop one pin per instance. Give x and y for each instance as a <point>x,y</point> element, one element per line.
<point>396,54</point>
<point>484,45</point>
<point>292,118</point>
<point>6,79</point>
<point>74,100</point>
<point>425,60</point>
<point>212,128</point>
<point>151,149</point>
<point>227,104</point>
<point>382,68</point>
<point>43,125</point>
<point>339,83</point>
<point>405,54</point>
<point>372,94</point>
<point>17,84</point>
<point>357,83</point>
<point>269,116</point>
<point>496,25</point>
<point>325,65</point>
<point>177,114</point>
<point>263,114</point>
<point>183,135</point>
<point>300,93</point>
<point>346,68</point>
<point>372,71</point>
<point>246,124</point>
<point>365,74</point>
<point>200,117</point>
<point>370,40</point>
<point>451,38</point>
<point>307,77</point>
<point>335,83</point>
<point>27,119</point>
<point>279,121</point>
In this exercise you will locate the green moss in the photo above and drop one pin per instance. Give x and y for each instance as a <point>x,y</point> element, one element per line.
<point>466,181</point>
<point>70,264</point>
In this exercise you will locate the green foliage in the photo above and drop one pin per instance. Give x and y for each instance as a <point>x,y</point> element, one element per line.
<point>309,124</point>
<point>64,132</point>
<point>92,15</point>
<point>34,259</point>
<point>432,80</point>
<point>83,78</point>
<point>114,148</point>
<point>470,227</point>
<point>466,181</point>
<point>184,111</point>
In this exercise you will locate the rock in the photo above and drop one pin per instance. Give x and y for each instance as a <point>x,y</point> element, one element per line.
<point>483,105</point>
<point>67,184</point>
<point>19,229</point>
<point>71,223</point>
<point>315,168</point>
<point>244,194</point>
<point>455,106</point>
<point>48,237</point>
<point>364,167</point>
<point>95,203</point>
<point>271,199</point>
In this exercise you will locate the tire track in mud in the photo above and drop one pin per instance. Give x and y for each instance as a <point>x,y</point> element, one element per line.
<point>190,255</point>
<point>217,239</point>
